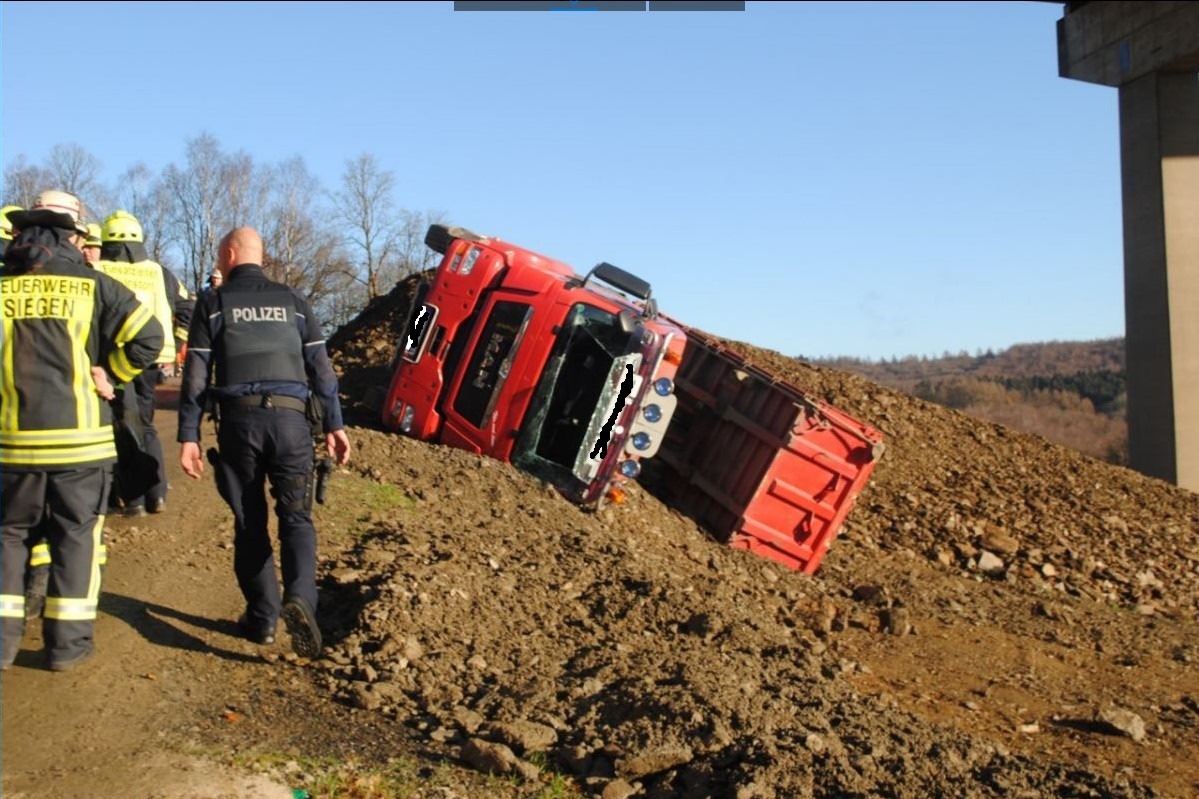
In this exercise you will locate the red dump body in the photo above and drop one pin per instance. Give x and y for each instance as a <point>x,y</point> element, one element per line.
<point>512,355</point>
<point>758,462</point>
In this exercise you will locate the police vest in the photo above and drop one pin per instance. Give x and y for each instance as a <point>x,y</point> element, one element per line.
<point>147,281</point>
<point>260,340</point>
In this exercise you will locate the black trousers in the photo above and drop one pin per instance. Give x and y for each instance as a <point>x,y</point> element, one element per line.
<point>67,508</point>
<point>136,404</point>
<point>257,444</point>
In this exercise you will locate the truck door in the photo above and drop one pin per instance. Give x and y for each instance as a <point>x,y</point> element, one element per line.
<point>477,397</point>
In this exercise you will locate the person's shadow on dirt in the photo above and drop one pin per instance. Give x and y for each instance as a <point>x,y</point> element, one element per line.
<point>150,620</point>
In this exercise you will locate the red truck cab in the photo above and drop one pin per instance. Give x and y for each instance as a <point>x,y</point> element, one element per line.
<point>512,355</point>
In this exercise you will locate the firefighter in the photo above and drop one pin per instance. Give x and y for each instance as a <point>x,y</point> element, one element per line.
<point>60,320</point>
<point>263,347</point>
<point>6,228</point>
<point>123,256</point>
<point>37,577</point>
<point>91,245</point>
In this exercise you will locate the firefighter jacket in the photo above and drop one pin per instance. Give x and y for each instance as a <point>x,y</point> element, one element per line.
<point>61,318</point>
<point>254,336</point>
<point>156,288</point>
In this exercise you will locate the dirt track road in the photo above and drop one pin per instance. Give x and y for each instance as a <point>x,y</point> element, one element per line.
<point>165,625</point>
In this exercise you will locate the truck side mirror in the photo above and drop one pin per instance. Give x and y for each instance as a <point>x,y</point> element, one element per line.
<point>615,276</point>
<point>628,322</point>
<point>438,238</point>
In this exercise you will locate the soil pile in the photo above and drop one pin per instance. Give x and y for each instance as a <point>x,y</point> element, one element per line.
<point>512,630</point>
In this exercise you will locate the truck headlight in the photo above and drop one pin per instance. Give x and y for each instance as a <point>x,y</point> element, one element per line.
<point>630,469</point>
<point>641,441</point>
<point>664,386</point>
<point>653,413</point>
<point>407,419</point>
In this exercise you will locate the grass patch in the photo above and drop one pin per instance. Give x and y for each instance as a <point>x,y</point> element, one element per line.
<point>323,778</point>
<point>400,778</point>
<point>352,501</point>
<point>326,778</point>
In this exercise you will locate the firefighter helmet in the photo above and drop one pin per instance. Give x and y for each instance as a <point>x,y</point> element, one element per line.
<point>65,203</point>
<point>93,235</point>
<point>121,226</point>
<point>6,223</point>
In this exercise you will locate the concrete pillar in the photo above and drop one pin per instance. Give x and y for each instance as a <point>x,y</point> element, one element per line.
<point>1159,149</point>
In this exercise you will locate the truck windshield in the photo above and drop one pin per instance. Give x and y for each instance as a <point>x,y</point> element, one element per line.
<point>573,393</point>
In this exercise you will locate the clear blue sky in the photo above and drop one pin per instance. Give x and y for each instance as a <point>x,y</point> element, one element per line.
<point>818,178</point>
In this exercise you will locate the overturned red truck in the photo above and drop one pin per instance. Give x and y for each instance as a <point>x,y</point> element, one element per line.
<point>513,355</point>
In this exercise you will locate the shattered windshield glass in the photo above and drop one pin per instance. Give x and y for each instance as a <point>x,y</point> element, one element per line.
<point>573,403</point>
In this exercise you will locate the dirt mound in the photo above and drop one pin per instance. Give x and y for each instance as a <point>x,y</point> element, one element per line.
<point>628,649</point>
<point>362,349</point>
<point>953,488</point>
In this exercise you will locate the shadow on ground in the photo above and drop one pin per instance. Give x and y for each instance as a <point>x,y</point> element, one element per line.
<point>154,622</point>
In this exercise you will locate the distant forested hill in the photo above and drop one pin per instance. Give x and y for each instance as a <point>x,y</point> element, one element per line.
<point>1070,392</point>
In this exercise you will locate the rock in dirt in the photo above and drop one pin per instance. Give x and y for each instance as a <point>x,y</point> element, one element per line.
<point>990,563</point>
<point>1124,722</point>
<point>618,789</point>
<point>490,758</point>
<point>653,762</point>
<point>525,736</point>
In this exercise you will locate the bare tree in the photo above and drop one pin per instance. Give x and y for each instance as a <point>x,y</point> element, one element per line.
<point>146,197</point>
<point>345,301</point>
<point>286,227</point>
<point>244,192</point>
<point>300,251</point>
<point>72,168</point>
<point>412,255</point>
<point>206,196</point>
<point>365,209</point>
<point>23,182</point>
<point>335,292</point>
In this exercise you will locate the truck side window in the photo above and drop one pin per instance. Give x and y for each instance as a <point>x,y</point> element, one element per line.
<point>489,363</point>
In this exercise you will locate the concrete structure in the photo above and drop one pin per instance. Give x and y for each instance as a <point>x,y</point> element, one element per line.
<point>1150,51</point>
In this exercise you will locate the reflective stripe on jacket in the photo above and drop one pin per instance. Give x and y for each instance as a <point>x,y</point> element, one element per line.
<point>59,321</point>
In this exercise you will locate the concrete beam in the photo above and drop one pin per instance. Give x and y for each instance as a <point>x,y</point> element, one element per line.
<point>1114,42</point>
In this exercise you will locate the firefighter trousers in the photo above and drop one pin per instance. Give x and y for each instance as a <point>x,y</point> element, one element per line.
<point>67,508</point>
<point>256,444</point>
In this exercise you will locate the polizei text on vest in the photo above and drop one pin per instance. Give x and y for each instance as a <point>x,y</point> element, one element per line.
<point>268,314</point>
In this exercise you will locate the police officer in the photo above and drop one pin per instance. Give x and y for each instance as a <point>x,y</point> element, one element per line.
<point>258,348</point>
<point>60,320</point>
<point>123,256</point>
